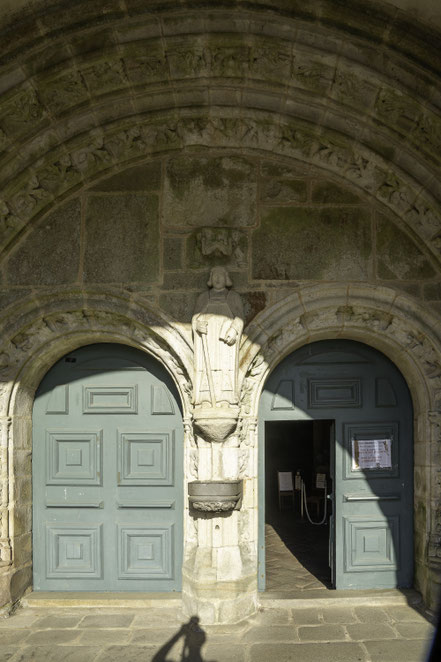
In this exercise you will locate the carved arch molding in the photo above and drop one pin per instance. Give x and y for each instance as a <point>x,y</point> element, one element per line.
<point>34,335</point>
<point>351,89</point>
<point>405,332</point>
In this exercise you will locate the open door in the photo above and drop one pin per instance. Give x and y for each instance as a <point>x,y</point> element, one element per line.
<point>371,531</point>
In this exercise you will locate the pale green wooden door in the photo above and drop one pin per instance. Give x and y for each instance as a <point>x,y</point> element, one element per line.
<point>367,397</point>
<point>107,474</point>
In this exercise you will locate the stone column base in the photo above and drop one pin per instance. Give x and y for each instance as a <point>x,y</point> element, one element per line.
<point>219,602</point>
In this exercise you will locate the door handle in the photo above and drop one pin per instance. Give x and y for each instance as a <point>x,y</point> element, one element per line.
<point>371,497</point>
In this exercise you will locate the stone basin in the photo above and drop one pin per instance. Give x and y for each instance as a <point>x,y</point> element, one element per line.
<point>215,496</point>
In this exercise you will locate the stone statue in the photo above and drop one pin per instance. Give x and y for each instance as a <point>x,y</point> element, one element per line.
<point>217,329</point>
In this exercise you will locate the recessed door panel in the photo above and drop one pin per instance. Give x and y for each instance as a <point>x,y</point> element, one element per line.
<point>107,474</point>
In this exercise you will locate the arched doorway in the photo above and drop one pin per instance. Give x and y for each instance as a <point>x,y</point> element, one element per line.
<point>107,474</point>
<point>342,409</point>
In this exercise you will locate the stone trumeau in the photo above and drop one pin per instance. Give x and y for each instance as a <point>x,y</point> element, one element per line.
<point>288,153</point>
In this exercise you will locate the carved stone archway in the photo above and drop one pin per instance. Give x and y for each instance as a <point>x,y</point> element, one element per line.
<point>408,335</point>
<point>33,339</point>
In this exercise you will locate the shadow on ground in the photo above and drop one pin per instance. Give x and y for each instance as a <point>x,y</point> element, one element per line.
<point>193,638</point>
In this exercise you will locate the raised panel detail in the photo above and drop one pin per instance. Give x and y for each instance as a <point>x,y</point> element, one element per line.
<point>283,398</point>
<point>330,393</point>
<point>73,551</point>
<point>161,401</point>
<point>73,458</point>
<point>145,458</point>
<point>110,399</point>
<point>145,553</point>
<point>369,544</point>
<point>384,393</point>
<point>59,400</point>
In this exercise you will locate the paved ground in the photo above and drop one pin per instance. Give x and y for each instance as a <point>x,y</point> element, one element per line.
<point>300,620</point>
<point>296,555</point>
<point>314,634</point>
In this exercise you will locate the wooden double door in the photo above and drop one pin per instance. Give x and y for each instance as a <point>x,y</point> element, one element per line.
<point>107,474</point>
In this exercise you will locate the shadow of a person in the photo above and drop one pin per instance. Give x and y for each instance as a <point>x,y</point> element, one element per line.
<point>194,638</point>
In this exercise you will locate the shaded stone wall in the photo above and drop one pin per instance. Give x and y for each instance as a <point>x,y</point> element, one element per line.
<point>149,234</point>
<point>157,229</point>
<point>141,143</point>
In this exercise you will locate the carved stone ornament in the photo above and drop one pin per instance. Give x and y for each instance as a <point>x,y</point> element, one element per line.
<point>216,496</point>
<point>217,329</point>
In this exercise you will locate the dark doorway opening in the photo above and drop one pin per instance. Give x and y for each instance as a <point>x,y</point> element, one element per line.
<point>297,552</point>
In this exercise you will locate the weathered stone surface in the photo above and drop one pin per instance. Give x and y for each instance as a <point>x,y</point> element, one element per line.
<point>369,615</point>
<point>12,636</point>
<point>202,191</point>
<point>52,654</point>
<point>271,633</point>
<point>146,177</point>
<point>304,243</point>
<point>54,637</point>
<point>321,633</point>
<point>367,631</point>
<point>343,652</point>
<point>281,169</point>
<point>398,256</point>
<point>178,305</point>
<point>432,291</point>
<point>415,630</point>
<point>119,654</point>
<point>328,192</point>
<point>172,253</point>
<point>116,620</point>
<point>10,296</point>
<point>122,238</point>
<point>253,303</point>
<point>338,615</point>
<point>213,246</point>
<point>20,581</point>
<point>61,621</point>
<point>391,651</point>
<point>109,637</point>
<point>49,255</point>
<point>284,190</point>
<point>306,616</point>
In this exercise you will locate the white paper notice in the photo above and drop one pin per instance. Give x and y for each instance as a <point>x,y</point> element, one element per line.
<point>371,454</point>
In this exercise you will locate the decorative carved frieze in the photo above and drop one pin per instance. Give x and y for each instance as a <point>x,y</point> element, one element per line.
<point>292,139</point>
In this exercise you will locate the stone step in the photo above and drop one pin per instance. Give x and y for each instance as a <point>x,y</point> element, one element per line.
<point>346,598</point>
<point>50,599</point>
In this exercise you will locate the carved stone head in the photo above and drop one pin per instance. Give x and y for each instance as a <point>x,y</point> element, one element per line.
<point>219,278</point>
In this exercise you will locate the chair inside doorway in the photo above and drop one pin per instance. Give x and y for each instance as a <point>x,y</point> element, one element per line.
<point>297,552</point>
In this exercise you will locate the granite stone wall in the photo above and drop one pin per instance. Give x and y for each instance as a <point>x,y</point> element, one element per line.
<point>141,143</point>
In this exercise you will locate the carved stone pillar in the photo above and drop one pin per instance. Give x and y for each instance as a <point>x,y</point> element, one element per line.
<point>219,576</point>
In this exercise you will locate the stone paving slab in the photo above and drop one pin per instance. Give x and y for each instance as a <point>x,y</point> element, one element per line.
<point>392,633</point>
<point>396,651</point>
<point>331,652</point>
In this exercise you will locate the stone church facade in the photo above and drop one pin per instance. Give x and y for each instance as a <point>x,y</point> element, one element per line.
<point>142,144</point>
